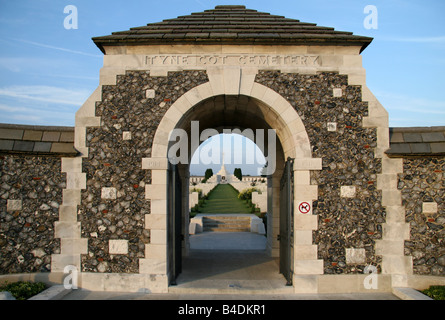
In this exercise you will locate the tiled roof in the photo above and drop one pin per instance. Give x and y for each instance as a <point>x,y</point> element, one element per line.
<point>37,140</point>
<point>417,141</point>
<point>232,25</point>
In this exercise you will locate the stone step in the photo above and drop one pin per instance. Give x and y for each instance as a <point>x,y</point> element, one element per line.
<point>226,224</point>
<point>216,286</point>
<point>226,229</point>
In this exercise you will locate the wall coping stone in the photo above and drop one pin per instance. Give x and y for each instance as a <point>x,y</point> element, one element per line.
<point>35,140</point>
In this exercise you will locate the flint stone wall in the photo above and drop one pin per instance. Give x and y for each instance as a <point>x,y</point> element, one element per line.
<point>423,194</point>
<point>136,104</point>
<point>346,148</point>
<point>30,195</point>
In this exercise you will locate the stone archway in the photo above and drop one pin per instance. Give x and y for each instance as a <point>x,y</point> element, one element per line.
<point>275,112</point>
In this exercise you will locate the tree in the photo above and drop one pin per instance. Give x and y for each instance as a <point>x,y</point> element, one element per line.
<point>208,174</point>
<point>238,173</point>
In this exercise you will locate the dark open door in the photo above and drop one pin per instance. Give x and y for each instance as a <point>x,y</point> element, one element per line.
<point>286,221</point>
<point>174,224</point>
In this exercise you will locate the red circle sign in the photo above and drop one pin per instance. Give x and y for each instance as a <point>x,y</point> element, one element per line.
<point>304,207</point>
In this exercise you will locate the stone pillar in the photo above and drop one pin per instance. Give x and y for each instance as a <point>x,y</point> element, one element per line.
<point>155,261</point>
<point>395,230</point>
<point>68,229</point>
<point>307,266</point>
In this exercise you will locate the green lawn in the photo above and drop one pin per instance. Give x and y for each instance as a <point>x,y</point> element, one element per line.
<point>224,199</point>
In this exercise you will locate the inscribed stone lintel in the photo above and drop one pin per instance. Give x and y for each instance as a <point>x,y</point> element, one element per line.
<point>155,163</point>
<point>307,164</point>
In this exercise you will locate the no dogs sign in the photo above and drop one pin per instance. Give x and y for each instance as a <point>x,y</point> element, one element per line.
<point>304,207</point>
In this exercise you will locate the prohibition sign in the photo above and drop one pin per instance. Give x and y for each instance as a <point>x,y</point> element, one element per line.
<point>304,207</point>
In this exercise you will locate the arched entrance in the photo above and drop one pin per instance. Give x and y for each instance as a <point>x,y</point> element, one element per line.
<point>245,105</point>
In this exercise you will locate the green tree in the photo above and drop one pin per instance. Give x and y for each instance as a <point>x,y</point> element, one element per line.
<point>238,173</point>
<point>208,174</point>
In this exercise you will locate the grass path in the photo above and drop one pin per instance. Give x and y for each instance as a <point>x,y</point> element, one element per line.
<point>224,199</point>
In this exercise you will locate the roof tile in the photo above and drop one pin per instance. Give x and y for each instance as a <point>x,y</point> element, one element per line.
<point>241,26</point>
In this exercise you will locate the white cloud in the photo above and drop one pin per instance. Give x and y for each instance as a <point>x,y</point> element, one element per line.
<point>434,40</point>
<point>408,111</point>
<point>47,94</point>
<point>42,45</point>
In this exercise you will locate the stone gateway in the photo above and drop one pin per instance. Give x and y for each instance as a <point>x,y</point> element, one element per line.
<point>104,197</point>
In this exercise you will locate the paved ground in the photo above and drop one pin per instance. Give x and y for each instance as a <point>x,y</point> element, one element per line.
<point>220,267</point>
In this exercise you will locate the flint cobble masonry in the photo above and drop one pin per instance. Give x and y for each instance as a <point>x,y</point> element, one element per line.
<point>27,230</point>
<point>343,222</point>
<point>116,163</point>
<point>422,182</point>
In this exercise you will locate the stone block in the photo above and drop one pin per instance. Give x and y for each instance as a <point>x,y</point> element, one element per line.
<point>126,135</point>
<point>32,135</point>
<point>6,145</point>
<point>158,236</point>
<point>14,205</point>
<point>67,136</point>
<point>305,252</point>
<point>26,146</point>
<point>396,137</point>
<point>308,267</point>
<point>68,213</point>
<point>109,193</point>
<point>429,207</point>
<point>71,197</point>
<point>306,192</point>
<point>42,146</point>
<point>158,206</point>
<point>303,164</point>
<point>74,246</point>
<point>387,181</point>
<point>433,136</point>
<point>337,92</point>
<point>412,137</point>
<point>392,165</point>
<point>156,191</point>
<point>155,163</point>
<point>390,247</point>
<point>13,134</point>
<point>420,147</point>
<point>155,221</point>
<point>305,222</point>
<point>355,255</point>
<point>152,266</point>
<point>396,231</point>
<point>52,136</point>
<point>150,93</point>
<point>156,251</point>
<point>305,284</point>
<point>71,164</point>
<point>303,237</point>
<point>67,229</point>
<point>391,198</point>
<point>118,246</point>
<point>60,261</point>
<point>347,191</point>
<point>438,147</point>
<point>331,126</point>
<point>62,148</point>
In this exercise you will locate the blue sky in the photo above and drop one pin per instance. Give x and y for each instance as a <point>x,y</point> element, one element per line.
<point>47,71</point>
